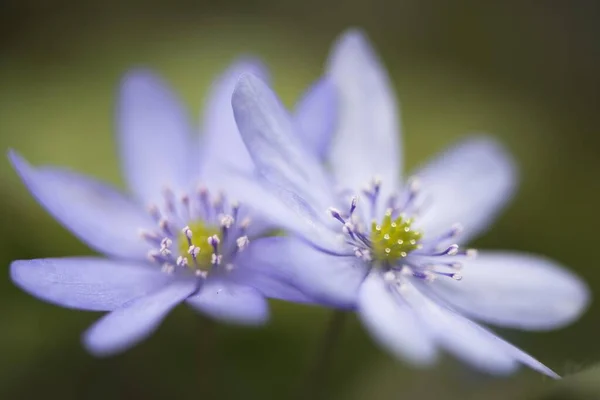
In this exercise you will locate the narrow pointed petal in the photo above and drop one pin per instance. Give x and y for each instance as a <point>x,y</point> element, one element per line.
<point>291,173</point>
<point>255,196</point>
<point>95,213</point>
<point>275,147</point>
<point>325,279</point>
<point>467,184</point>
<point>221,143</point>
<point>93,284</point>
<point>393,323</point>
<point>516,290</point>
<point>136,320</point>
<point>316,117</point>
<point>460,336</point>
<point>366,144</point>
<point>153,136</point>
<point>526,359</point>
<point>230,302</point>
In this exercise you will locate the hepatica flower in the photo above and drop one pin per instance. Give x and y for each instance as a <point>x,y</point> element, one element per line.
<point>392,248</point>
<point>177,238</point>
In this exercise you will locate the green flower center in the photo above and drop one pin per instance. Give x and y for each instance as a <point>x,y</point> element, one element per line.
<point>393,239</point>
<point>200,234</point>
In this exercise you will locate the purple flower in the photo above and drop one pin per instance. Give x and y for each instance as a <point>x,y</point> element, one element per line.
<point>177,237</point>
<point>391,247</point>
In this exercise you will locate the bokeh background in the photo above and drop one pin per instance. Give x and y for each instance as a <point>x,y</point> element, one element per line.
<point>525,71</point>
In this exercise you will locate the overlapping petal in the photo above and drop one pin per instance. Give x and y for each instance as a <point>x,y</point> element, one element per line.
<point>468,340</point>
<point>93,284</point>
<point>291,173</point>
<point>96,213</point>
<point>222,146</point>
<point>467,184</point>
<point>393,323</point>
<point>275,147</point>
<point>135,320</point>
<point>153,137</point>
<point>230,302</point>
<point>366,143</point>
<point>516,290</point>
<point>327,279</point>
<point>460,336</point>
<point>316,117</point>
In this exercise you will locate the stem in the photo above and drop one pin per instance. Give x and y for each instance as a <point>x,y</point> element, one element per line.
<point>324,358</point>
<point>207,359</point>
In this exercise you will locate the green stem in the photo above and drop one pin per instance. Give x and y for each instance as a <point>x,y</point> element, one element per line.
<point>207,359</point>
<point>318,374</point>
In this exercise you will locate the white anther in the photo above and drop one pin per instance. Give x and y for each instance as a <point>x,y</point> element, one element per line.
<point>194,251</point>
<point>216,259</point>
<point>182,261</point>
<point>389,276</point>
<point>414,184</point>
<point>457,277</point>
<point>166,243</point>
<point>471,253</point>
<point>245,223</point>
<point>165,252</point>
<point>213,240</point>
<point>429,276</point>
<point>366,255</point>
<point>167,268</point>
<point>334,212</point>
<point>376,182</point>
<point>187,232</point>
<point>348,227</point>
<point>457,229</point>
<point>452,250</point>
<point>242,242</point>
<point>201,274</point>
<point>227,221</point>
<point>406,271</point>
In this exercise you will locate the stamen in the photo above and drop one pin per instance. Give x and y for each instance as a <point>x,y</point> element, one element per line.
<point>335,213</point>
<point>214,242</point>
<point>353,205</point>
<point>242,242</point>
<point>169,200</point>
<point>212,227</point>
<point>164,224</point>
<point>216,259</point>
<point>154,212</point>
<point>235,208</point>
<point>151,237</point>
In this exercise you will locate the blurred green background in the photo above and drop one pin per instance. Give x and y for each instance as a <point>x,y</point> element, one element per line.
<point>525,71</point>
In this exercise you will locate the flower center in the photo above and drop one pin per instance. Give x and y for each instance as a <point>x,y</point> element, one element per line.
<point>196,233</point>
<point>198,243</point>
<point>393,239</point>
<point>393,246</point>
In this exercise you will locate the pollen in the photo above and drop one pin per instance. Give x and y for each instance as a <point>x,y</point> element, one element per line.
<point>196,244</point>
<point>393,239</point>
